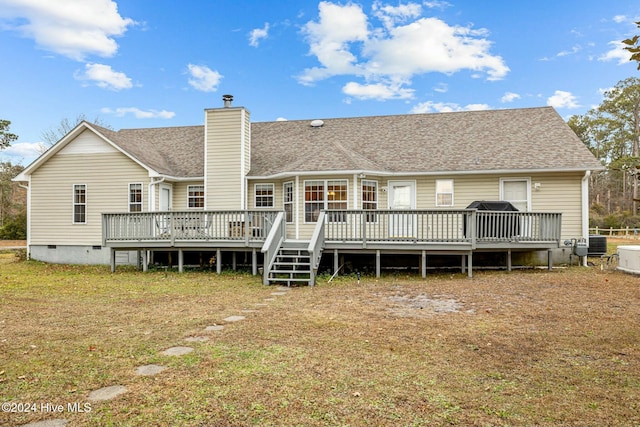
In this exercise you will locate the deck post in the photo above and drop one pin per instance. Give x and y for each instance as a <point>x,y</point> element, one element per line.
<point>145,264</point>
<point>254,262</point>
<point>378,263</point>
<point>508,259</point>
<point>112,257</point>
<point>469,270</point>
<point>336,261</point>
<point>218,261</point>
<point>234,262</point>
<point>464,263</point>
<point>550,259</point>
<point>180,260</point>
<point>424,264</point>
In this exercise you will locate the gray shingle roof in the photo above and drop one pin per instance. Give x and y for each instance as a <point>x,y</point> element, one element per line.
<point>480,141</point>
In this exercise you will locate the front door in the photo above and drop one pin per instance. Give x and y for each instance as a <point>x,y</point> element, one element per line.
<point>402,197</point>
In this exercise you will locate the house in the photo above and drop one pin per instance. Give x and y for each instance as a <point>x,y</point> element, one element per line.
<point>290,195</point>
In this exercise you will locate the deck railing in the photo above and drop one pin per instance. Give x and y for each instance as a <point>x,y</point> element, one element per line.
<point>444,226</point>
<point>178,226</point>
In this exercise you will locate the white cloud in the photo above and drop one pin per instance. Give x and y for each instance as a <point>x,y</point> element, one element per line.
<point>617,52</point>
<point>562,99</point>
<point>281,119</point>
<point>378,91</point>
<point>23,152</point>
<point>509,97</point>
<point>138,113</point>
<point>345,42</point>
<point>105,77</point>
<point>203,78</point>
<point>258,34</point>
<point>446,107</point>
<point>69,27</point>
<point>575,49</point>
<point>441,88</point>
<point>618,19</point>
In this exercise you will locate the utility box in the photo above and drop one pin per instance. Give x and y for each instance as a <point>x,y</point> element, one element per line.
<point>629,259</point>
<point>581,249</point>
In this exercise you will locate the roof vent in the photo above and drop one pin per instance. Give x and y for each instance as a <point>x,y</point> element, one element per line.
<point>227,99</point>
<point>317,123</point>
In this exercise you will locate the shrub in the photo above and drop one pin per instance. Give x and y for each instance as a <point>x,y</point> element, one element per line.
<point>15,228</point>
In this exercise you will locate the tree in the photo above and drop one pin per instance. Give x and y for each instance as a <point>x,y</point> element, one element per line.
<point>6,138</point>
<point>612,133</point>
<point>54,134</point>
<point>633,46</point>
<point>13,202</point>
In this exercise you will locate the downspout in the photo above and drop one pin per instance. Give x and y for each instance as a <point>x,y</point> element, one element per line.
<point>28,188</point>
<point>585,209</point>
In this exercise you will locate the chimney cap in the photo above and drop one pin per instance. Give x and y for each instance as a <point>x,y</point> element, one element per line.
<point>227,99</point>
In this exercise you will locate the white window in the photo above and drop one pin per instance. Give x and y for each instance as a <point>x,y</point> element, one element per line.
<point>444,192</point>
<point>370,198</point>
<point>329,194</point>
<point>264,196</point>
<point>135,197</point>
<point>195,196</point>
<point>288,201</point>
<point>80,203</point>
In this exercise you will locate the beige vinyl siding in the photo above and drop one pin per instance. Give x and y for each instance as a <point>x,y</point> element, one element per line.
<point>107,177</point>
<point>226,140</point>
<point>181,195</point>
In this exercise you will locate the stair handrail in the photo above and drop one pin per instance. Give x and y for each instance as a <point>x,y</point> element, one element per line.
<point>272,244</point>
<point>316,245</point>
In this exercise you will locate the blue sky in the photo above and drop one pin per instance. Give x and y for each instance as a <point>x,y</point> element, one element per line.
<point>156,63</point>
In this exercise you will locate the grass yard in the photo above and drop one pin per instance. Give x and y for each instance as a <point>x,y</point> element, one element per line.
<point>522,348</point>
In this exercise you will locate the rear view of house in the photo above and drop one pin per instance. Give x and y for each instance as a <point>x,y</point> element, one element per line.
<point>288,195</point>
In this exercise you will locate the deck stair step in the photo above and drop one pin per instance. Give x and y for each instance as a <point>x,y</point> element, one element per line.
<point>292,265</point>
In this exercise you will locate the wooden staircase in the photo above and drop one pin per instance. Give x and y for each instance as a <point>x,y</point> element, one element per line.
<point>292,265</point>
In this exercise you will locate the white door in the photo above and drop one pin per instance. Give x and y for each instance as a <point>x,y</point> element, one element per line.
<point>165,198</point>
<point>516,191</point>
<point>402,197</point>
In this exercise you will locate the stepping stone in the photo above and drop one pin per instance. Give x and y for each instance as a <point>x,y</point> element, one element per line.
<point>107,393</point>
<point>149,370</point>
<point>269,299</point>
<point>197,339</point>
<point>261,304</point>
<point>249,311</point>
<point>283,288</point>
<point>277,294</point>
<point>234,318</point>
<point>47,423</point>
<point>177,351</point>
<point>214,328</point>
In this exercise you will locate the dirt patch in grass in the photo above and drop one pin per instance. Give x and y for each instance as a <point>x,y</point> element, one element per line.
<point>521,348</point>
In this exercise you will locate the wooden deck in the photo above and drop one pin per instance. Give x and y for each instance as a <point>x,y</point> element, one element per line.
<point>461,231</point>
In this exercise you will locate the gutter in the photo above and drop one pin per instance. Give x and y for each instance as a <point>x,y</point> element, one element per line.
<point>585,209</point>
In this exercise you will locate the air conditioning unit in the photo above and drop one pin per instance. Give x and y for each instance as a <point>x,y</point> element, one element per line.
<point>629,259</point>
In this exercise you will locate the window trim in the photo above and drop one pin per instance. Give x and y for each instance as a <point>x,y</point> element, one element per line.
<point>74,204</point>
<point>438,204</point>
<point>255,195</point>
<point>130,203</point>
<point>191,197</point>
<point>325,200</point>
<point>290,203</point>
